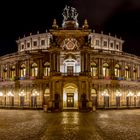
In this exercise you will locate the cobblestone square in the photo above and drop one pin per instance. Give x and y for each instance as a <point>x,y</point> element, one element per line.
<point>99,125</point>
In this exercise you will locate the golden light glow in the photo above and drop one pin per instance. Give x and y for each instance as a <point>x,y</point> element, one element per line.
<point>1,94</point>
<point>10,94</point>
<point>64,97</point>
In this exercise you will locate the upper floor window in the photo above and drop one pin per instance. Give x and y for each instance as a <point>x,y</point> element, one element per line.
<point>93,69</point>
<point>35,43</point>
<point>34,70</point>
<point>105,44</point>
<point>127,72</point>
<point>134,73</point>
<point>47,69</point>
<point>23,70</point>
<point>28,45</point>
<point>13,72</point>
<point>111,45</point>
<point>42,42</point>
<point>117,46</point>
<point>97,43</point>
<point>5,72</point>
<point>22,46</point>
<point>117,70</point>
<point>105,70</point>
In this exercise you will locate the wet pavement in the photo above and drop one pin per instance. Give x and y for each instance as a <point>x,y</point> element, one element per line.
<point>99,125</point>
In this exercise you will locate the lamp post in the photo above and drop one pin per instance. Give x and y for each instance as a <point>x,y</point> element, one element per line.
<point>118,95</point>
<point>129,95</point>
<point>21,95</point>
<point>106,99</point>
<point>11,98</point>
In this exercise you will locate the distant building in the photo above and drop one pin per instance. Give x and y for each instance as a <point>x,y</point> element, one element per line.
<point>70,68</point>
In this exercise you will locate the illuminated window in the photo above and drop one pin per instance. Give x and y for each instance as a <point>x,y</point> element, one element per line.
<point>134,73</point>
<point>5,73</point>
<point>105,70</point>
<point>34,70</point>
<point>127,72</point>
<point>23,70</point>
<point>13,72</point>
<point>46,69</point>
<point>93,69</point>
<point>117,70</point>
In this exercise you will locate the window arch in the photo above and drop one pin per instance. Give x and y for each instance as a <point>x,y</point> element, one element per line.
<point>134,73</point>
<point>23,70</point>
<point>34,70</point>
<point>5,73</point>
<point>12,71</point>
<point>117,70</point>
<point>93,69</point>
<point>105,70</point>
<point>127,72</point>
<point>46,69</point>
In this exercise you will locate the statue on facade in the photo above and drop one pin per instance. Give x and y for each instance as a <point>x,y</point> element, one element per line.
<point>70,13</point>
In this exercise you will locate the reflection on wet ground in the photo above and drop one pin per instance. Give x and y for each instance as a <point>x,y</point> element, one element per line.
<point>99,125</point>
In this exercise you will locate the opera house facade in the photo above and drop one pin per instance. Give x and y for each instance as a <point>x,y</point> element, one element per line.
<point>70,67</point>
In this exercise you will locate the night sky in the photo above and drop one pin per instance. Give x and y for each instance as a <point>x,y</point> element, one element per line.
<point>120,17</point>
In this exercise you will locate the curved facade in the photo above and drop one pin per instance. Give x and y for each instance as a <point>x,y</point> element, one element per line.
<point>69,67</point>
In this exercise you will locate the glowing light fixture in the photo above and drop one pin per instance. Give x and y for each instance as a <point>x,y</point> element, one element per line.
<point>10,94</point>
<point>1,94</point>
<point>22,93</point>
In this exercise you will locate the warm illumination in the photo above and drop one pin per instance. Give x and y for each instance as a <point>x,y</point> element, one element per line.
<point>105,94</point>
<point>75,96</point>
<point>1,94</point>
<point>64,97</point>
<point>10,94</point>
<point>22,93</point>
<point>130,94</point>
<point>35,93</point>
<point>118,94</point>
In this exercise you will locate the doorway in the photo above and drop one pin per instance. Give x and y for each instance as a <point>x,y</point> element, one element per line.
<point>70,100</point>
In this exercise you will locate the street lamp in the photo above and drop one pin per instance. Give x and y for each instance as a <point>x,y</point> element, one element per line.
<point>129,95</point>
<point>106,98</point>
<point>118,95</point>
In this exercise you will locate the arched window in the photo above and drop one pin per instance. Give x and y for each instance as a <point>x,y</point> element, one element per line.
<point>46,69</point>
<point>23,70</point>
<point>5,73</point>
<point>46,96</point>
<point>117,70</point>
<point>34,70</point>
<point>12,72</point>
<point>134,73</point>
<point>93,69</point>
<point>127,72</point>
<point>105,70</point>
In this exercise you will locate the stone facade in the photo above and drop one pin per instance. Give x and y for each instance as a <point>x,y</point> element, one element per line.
<point>70,67</point>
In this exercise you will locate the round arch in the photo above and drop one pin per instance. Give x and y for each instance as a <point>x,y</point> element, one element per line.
<point>70,95</point>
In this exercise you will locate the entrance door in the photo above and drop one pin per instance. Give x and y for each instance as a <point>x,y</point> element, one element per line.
<point>70,100</point>
<point>70,70</point>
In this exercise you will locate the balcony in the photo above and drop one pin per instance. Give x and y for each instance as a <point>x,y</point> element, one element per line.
<point>70,74</point>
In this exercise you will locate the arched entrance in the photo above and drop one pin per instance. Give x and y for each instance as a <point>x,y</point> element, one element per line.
<point>70,96</point>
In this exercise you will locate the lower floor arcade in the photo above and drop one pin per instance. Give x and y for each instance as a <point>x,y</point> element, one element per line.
<point>69,94</point>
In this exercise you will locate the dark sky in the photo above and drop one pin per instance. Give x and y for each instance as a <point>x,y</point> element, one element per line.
<point>120,17</point>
